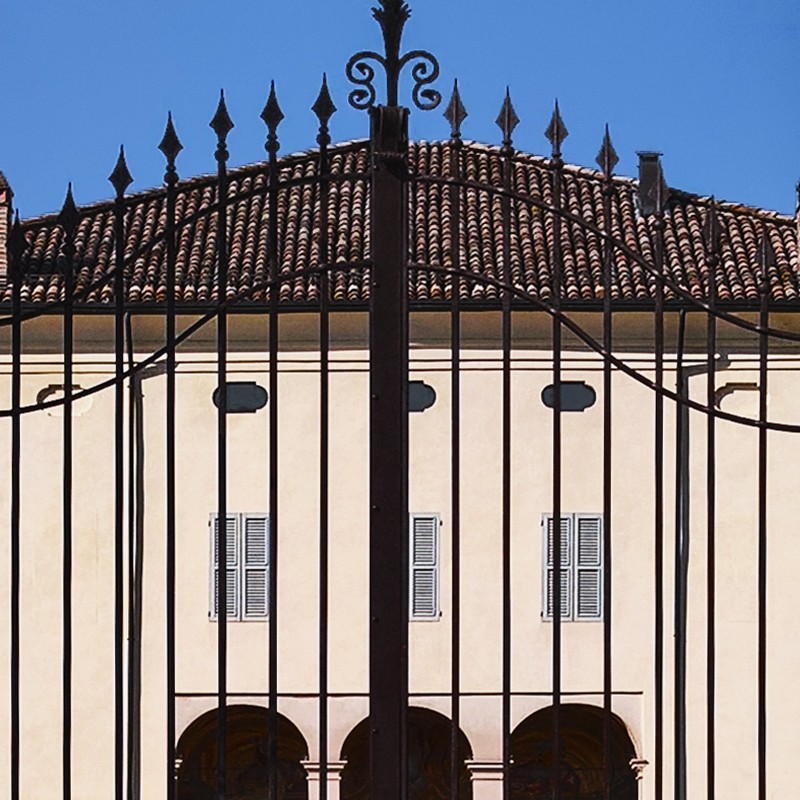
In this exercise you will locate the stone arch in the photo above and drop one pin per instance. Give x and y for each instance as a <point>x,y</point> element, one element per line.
<point>248,757</point>
<point>428,756</point>
<point>582,773</point>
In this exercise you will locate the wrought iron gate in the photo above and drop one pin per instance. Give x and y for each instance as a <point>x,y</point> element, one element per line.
<point>394,184</point>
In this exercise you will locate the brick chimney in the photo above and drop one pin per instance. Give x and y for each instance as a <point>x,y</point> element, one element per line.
<point>6,196</point>
<point>651,177</point>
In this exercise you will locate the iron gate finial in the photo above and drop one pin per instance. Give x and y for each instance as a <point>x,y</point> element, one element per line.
<point>272,116</point>
<point>556,132</point>
<point>121,177</point>
<point>221,123</point>
<point>607,158</point>
<point>455,113</point>
<point>392,16</point>
<point>324,107</point>
<point>507,119</point>
<point>69,217</point>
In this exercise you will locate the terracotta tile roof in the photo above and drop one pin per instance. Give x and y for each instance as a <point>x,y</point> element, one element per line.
<point>481,249</point>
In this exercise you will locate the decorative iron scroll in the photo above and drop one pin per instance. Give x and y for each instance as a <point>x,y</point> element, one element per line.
<point>392,17</point>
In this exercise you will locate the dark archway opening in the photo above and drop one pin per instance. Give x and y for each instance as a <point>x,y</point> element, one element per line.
<point>248,757</point>
<point>428,759</point>
<point>582,772</point>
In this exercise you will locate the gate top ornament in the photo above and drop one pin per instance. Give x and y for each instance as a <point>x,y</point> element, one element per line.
<point>392,17</point>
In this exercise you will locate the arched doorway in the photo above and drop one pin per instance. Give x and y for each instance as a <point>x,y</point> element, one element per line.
<point>428,759</point>
<point>248,757</point>
<point>582,773</point>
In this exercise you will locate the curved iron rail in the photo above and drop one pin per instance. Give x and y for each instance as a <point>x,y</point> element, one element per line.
<point>520,294</point>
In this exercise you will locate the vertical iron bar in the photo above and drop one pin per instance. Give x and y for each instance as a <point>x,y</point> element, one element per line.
<point>272,116</point>
<point>16,246</point>
<point>69,221</point>
<point>222,125</point>
<point>763,354</point>
<point>456,172</point>
<point>324,108</point>
<point>681,559</point>
<point>712,244</point>
<point>170,146</point>
<point>557,166</point>
<point>608,337</point>
<point>132,751</point>
<point>658,655</point>
<point>121,179</point>
<point>507,156</point>
<point>388,656</point>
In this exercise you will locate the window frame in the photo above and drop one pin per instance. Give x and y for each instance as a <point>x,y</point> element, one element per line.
<point>437,568</point>
<point>240,567</point>
<point>573,568</point>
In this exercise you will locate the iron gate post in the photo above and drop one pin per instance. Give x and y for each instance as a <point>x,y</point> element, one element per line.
<point>388,534</point>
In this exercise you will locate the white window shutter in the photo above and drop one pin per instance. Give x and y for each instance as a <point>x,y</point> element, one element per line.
<point>566,540</point>
<point>567,559</point>
<point>424,563</point>
<point>232,595</point>
<point>232,558</point>
<point>566,594</point>
<point>589,566</point>
<point>255,559</point>
<point>232,554</point>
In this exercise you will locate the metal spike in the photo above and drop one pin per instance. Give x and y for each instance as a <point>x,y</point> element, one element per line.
<point>170,144</point>
<point>69,216</point>
<point>121,177</point>
<point>607,158</point>
<point>221,124</point>
<point>323,106</point>
<point>556,131</point>
<point>455,113</point>
<point>712,230</point>
<point>272,114</point>
<point>16,238</point>
<point>508,119</point>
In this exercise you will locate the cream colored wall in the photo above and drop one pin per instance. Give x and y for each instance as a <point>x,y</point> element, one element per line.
<point>481,567</point>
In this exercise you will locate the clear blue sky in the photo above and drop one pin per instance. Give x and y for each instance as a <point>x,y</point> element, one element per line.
<point>713,84</point>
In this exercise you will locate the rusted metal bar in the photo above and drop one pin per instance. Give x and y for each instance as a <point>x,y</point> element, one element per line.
<point>455,115</point>
<point>712,234</point>
<point>170,146</point>
<point>16,247</point>
<point>120,179</point>
<point>324,109</point>
<point>68,219</point>
<point>222,125</point>
<point>272,116</point>
<point>388,482</point>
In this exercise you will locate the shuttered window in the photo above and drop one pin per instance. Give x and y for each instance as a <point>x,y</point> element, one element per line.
<point>581,567</point>
<point>247,541</point>
<point>424,566</point>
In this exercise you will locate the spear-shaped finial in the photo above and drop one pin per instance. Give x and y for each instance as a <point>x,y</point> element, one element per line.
<point>455,113</point>
<point>324,107</point>
<point>507,119</point>
<point>221,123</point>
<point>16,241</point>
<point>121,177</point>
<point>69,216</point>
<point>272,116</point>
<point>170,144</point>
<point>556,132</point>
<point>607,158</point>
